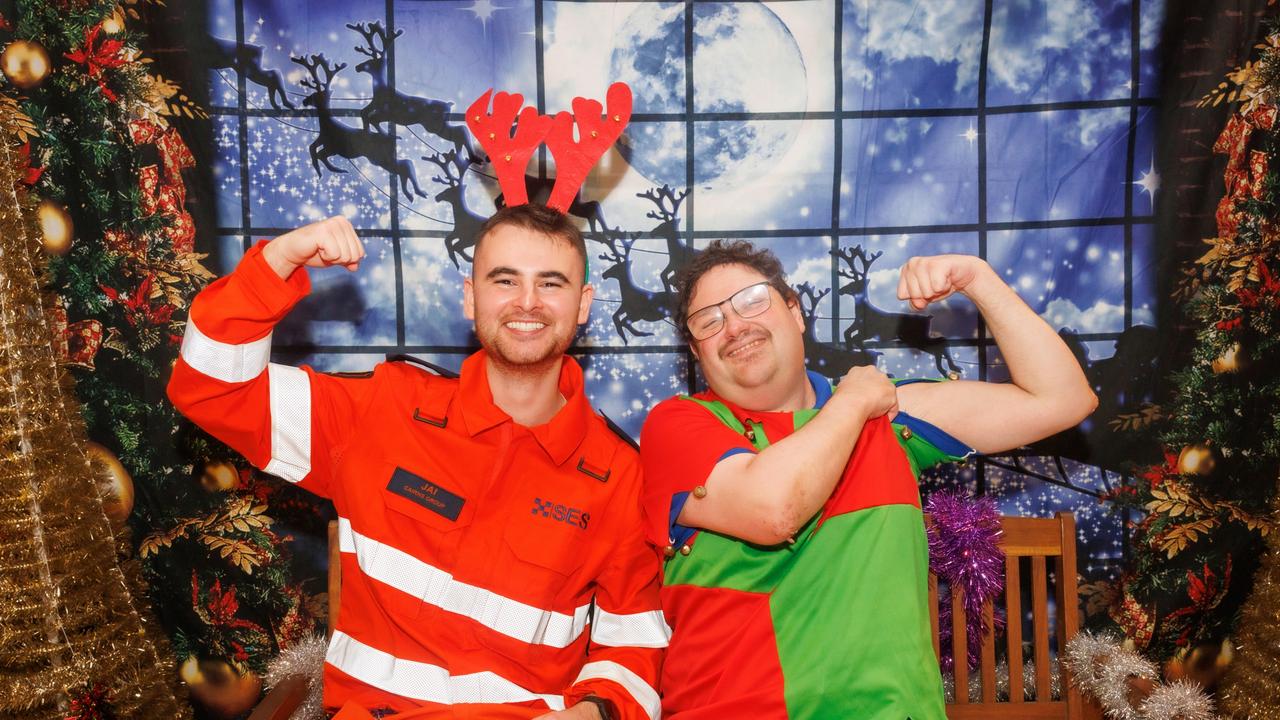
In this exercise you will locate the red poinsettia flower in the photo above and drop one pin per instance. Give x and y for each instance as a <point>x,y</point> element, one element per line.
<point>138,307</point>
<point>1269,289</point>
<point>99,57</point>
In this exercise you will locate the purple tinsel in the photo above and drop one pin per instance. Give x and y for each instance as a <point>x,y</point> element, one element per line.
<point>965,553</point>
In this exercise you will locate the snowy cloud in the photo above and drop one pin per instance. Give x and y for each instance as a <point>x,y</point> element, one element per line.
<point>1101,317</point>
<point>896,30</point>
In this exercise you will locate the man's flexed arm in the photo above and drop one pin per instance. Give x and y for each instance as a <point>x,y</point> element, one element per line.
<point>1048,393</point>
<point>321,244</point>
<point>284,420</point>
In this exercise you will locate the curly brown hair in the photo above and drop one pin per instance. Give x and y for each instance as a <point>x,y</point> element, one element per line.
<point>726,252</point>
<point>536,218</point>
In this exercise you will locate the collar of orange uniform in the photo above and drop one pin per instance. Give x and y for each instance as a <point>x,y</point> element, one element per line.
<point>559,437</point>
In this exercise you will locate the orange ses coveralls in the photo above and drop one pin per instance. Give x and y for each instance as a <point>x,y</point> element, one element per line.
<point>488,569</point>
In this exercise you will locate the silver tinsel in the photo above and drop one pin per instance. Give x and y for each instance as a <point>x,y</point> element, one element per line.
<point>1112,685</point>
<point>306,659</point>
<point>1002,682</point>
<point>1085,655</point>
<point>1179,700</point>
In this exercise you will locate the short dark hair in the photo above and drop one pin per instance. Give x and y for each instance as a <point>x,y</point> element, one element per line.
<point>536,218</point>
<point>726,252</point>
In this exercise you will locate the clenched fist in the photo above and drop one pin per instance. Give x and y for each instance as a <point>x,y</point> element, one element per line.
<point>870,389</point>
<point>321,244</point>
<point>927,280</point>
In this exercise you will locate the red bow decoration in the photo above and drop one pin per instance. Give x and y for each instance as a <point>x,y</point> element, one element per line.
<point>161,185</point>
<point>75,343</point>
<point>574,158</point>
<point>97,58</point>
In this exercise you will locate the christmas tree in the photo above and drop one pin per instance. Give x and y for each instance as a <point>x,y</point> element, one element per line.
<point>107,168</point>
<point>1209,507</point>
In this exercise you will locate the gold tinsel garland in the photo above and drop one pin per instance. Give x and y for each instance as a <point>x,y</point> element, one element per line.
<point>1251,687</point>
<point>69,606</point>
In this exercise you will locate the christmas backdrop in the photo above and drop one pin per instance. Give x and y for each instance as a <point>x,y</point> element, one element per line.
<point>847,137</point>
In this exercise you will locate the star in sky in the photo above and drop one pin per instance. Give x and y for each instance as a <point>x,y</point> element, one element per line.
<point>1150,181</point>
<point>971,134</point>
<point>484,10</point>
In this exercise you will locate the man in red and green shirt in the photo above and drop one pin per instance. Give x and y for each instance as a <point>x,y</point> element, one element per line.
<point>796,579</point>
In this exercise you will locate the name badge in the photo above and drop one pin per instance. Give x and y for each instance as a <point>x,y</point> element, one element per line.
<point>426,493</point>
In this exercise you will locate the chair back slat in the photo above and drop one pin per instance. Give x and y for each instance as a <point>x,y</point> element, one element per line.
<point>959,646</point>
<point>1069,606</point>
<point>988,662</point>
<point>933,614</point>
<point>335,576</point>
<point>1013,624</point>
<point>1040,624</point>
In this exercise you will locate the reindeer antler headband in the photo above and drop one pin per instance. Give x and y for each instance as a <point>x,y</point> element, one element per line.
<point>510,150</point>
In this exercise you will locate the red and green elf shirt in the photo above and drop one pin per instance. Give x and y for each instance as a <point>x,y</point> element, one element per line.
<point>835,625</point>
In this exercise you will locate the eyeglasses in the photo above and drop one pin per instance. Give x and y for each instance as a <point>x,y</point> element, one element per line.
<point>748,302</point>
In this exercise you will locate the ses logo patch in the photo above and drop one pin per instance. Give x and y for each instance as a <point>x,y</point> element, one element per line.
<point>560,513</point>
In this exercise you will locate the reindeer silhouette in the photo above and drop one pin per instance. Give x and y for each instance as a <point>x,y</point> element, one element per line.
<point>637,304</point>
<point>388,105</point>
<point>245,59</point>
<point>466,223</point>
<point>825,358</point>
<point>679,253</point>
<point>539,190</point>
<point>348,142</point>
<point>872,323</point>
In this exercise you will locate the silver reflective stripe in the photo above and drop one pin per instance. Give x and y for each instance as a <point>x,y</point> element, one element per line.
<point>224,361</point>
<point>635,685</point>
<point>424,681</point>
<point>290,390</point>
<point>646,629</point>
<point>434,586</point>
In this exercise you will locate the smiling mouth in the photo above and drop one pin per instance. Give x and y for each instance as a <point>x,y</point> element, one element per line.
<point>745,348</point>
<point>525,326</point>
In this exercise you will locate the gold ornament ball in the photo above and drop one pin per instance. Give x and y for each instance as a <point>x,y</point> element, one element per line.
<point>1198,459</point>
<point>114,22</point>
<point>56,227</point>
<point>25,63</point>
<point>114,483</point>
<point>223,689</point>
<point>220,476</point>
<point>1232,360</point>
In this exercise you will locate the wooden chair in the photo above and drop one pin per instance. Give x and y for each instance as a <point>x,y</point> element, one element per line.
<point>288,694</point>
<point>1040,541</point>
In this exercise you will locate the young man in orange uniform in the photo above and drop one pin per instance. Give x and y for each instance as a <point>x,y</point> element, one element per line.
<point>493,560</point>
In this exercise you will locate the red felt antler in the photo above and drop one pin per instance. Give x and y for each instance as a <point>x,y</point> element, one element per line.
<point>575,158</point>
<point>508,153</point>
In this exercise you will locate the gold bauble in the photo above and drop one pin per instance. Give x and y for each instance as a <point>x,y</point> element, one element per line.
<point>114,22</point>
<point>114,483</point>
<point>223,689</point>
<point>25,63</point>
<point>220,476</point>
<point>56,227</point>
<point>1197,459</point>
<point>1234,359</point>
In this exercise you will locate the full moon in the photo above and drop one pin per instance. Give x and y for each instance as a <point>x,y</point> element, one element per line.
<point>745,60</point>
